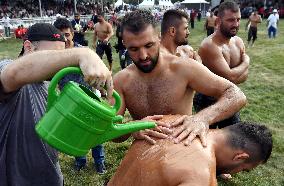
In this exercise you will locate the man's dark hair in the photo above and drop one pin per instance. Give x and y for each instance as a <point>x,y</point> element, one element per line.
<point>63,23</point>
<point>227,5</point>
<point>137,21</point>
<point>253,138</point>
<point>101,13</point>
<point>172,18</point>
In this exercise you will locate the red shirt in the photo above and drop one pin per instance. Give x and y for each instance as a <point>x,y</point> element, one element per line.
<point>18,33</point>
<point>24,31</point>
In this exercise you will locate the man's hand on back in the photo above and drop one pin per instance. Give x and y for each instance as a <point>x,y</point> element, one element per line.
<point>160,131</point>
<point>191,127</point>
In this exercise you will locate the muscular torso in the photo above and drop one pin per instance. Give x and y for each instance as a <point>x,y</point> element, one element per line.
<point>102,30</point>
<point>211,21</point>
<point>166,164</point>
<point>165,93</point>
<point>254,20</point>
<point>232,52</point>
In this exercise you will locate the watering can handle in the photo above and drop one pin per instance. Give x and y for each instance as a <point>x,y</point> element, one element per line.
<point>53,93</point>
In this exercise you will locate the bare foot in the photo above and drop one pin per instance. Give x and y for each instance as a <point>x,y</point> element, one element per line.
<point>225,176</point>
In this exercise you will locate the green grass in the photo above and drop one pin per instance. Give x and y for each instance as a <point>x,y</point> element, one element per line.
<point>264,90</point>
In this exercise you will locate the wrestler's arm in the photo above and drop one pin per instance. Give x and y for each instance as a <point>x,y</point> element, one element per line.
<point>214,60</point>
<point>95,37</point>
<point>230,99</point>
<point>206,24</point>
<point>246,27</point>
<point>245,61</point>
<point>110,30</point>
<point>260,19</point>
<point>41,65</point>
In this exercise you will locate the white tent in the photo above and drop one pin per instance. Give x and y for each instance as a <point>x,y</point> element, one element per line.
<point>165,3</point>
<point>147,4</point>
<point>119,3</point>
<point>194,2</point>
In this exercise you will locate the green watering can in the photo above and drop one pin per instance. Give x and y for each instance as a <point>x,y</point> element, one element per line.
<point>77,119</point>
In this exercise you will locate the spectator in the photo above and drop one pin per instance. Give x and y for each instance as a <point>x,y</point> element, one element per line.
<point>124,57</point>
<point>18,33</point>
<point>199,15</point>
<point>24,30</point>
<point>272,23</point>
<point>79,30</point>
<point>24,158</point>
<point>7,25</point>
<point>192,18</point>
<point>65,27</point>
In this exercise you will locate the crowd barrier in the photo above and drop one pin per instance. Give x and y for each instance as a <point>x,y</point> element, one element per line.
<point>26,22</point>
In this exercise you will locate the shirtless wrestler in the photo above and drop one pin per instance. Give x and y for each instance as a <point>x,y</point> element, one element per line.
<point>103,32</point>
<point>174,34</point>
<point>223,53</point>
<point>253,21</point>
<point>239,147</point>
<point>210,23</point>
<point>162,83</point>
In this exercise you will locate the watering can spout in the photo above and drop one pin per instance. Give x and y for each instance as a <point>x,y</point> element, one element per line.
<point>118,130</point>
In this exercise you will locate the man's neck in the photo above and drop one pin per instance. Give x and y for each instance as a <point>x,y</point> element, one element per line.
<point>169,45</point>
<point>219,143</point>
<point>221,38</point>
<point>102,22</point>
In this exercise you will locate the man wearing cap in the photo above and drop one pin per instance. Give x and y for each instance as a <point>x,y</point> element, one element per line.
<point>272,23</point>
<point>24,158</point>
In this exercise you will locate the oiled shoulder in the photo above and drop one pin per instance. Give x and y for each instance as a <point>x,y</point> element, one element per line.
<point>186,164</point>
<point>208,41</point>
<point>239,42</point>
<point>124,76</point>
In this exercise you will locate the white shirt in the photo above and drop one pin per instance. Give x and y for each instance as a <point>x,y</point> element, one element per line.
<point>207,14</point>
<point>272,20</point>
<point>6,21</point>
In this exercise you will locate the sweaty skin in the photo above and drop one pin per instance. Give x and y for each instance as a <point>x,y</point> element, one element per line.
<point>169,87</point>
<point>188,52</point>
<point>210,21</point>
<point>254,20</point>
<point>225,56</point>
<point>166,164</point>
<point>102,31</point>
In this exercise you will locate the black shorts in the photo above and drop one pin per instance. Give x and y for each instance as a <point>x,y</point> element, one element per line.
<point>104,48</point>
<point>252,33</point>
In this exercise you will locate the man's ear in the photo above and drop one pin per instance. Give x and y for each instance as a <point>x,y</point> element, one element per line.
<point>241,156</point>
<point>28,46</point>
<point>172,31</point>
<point>218,21</point>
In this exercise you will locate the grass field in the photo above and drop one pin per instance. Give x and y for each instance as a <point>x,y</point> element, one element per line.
<point>264,90</point>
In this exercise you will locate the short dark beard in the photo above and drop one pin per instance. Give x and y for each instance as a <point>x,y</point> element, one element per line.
<point>150,67</point>
<point>178,42</point>
<point>226,32</point>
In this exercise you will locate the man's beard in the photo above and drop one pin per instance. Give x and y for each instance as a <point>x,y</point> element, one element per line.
<point>148,68</point>
<point>180,42</point>
<point>226,32</point>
